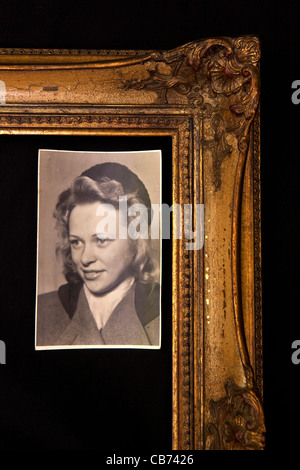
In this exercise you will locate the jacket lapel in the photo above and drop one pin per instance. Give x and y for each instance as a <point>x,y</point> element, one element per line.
<point>124,326</point>
<point>82,328</point>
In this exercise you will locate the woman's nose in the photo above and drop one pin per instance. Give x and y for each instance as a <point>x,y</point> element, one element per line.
<point>88,254</point>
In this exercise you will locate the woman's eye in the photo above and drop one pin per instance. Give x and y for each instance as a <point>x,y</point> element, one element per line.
<point>75,243</point>
<point>103,241</point>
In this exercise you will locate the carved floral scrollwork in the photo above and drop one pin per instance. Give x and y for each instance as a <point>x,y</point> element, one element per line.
<point>201,69</point>
<point>200,72</point>
<point>238,420</point>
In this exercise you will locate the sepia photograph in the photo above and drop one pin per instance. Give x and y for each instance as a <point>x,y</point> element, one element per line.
<point>98,250</point>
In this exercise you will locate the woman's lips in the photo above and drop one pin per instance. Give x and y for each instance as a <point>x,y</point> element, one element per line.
<point>91,275</point>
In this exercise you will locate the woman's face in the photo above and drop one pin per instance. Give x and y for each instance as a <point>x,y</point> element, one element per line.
<point>103,263</point>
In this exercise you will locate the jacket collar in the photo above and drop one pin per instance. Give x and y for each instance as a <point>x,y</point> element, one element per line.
<point>123,326</point>
<point>146,303</point>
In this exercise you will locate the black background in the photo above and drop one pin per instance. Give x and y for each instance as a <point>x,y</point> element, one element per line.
<point>24,418</point>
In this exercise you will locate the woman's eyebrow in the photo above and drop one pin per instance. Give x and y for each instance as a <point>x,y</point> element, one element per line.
<point>100,235</point>
<point>96,235</point>
<point>103,234</point>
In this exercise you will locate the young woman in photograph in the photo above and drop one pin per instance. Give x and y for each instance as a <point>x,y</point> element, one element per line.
<point>112,294</point>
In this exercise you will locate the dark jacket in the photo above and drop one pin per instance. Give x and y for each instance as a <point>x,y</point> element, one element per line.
<point>64,318</point>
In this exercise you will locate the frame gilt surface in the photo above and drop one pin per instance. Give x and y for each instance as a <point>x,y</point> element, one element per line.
<point>204,95</point>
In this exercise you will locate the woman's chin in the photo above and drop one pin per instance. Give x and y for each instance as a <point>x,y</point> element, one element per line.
<point>96,289</point>
<point>102,288</point>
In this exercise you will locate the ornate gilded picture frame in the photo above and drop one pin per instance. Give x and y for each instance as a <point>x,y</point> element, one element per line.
<point>204,96</point>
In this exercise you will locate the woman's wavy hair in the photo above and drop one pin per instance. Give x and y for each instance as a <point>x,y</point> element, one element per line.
<point>105,183</point>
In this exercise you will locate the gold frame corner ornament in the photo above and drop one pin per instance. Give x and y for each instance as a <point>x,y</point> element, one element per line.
<point>205,96</point>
